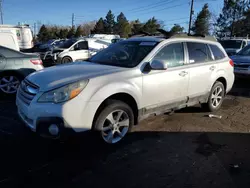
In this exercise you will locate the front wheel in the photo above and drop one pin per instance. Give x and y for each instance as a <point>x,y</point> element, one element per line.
<point>66,60</point>
<point>114,121</point>
<point>216,97</point>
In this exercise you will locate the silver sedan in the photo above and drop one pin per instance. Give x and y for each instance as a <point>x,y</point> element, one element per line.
<point>14,67</point>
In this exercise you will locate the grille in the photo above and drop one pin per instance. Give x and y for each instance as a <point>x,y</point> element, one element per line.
<point>27,91</point>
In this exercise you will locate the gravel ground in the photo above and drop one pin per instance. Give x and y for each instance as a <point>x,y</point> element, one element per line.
<point>184,149</point>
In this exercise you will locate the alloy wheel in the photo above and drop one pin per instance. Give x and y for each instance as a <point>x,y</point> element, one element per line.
<point>9,84</point>
<point>217,96</point>
<point>115,126</point>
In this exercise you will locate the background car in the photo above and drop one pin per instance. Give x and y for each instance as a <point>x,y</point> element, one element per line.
<point>14,67</point>
<point>242,62</point>
<point>233,46</point>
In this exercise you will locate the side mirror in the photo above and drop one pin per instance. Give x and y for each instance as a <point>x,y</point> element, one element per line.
<point>158,65</point>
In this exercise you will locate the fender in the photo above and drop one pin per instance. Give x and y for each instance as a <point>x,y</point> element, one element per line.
<point>115,87</point>
<point>219,73</point>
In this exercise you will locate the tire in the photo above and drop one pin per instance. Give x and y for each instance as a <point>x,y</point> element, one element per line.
<point>9,83</point>
<point>211,105</point>
<point>108,126</point>
<point>66,60</point>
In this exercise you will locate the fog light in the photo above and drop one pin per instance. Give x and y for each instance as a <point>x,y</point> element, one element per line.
<point>53,129</point>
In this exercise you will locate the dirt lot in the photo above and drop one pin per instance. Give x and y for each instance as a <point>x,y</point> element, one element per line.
<point>185,149</point>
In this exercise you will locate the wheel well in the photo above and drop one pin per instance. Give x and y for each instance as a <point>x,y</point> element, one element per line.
<point>15,72</point>
<point>67,57</point>
<point>124,97</point>
<point>223,81</point>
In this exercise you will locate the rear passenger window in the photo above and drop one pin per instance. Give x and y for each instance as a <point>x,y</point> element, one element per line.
<point>198,52</point>
<point>218,54</point>
<point>172,54</point>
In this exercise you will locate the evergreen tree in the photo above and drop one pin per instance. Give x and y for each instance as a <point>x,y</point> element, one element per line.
<point>232,12</point>
<point>176,29</point>
<point>122,26</point>
<point>99,27</point>
<point>136,27</point>
<point>151,26</point>
<point>79,31</point>
<point>63,33</point>
<point>43,34</point>
<point>202,25</point>
<point>71,32</point>
<point>109,23</point>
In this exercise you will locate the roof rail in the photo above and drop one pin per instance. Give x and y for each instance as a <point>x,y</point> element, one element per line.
<point>185,35</point>
<point>166,34</point>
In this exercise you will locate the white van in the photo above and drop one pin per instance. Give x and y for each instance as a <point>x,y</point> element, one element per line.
<point>9,40</point>
<point>23,34</point>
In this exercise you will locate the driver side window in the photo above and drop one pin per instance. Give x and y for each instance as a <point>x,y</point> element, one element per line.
<point>172,54</point>
<point>81,46</point>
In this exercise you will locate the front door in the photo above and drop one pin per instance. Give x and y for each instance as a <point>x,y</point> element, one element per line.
<point>80,51</point>
<point>163,88</point>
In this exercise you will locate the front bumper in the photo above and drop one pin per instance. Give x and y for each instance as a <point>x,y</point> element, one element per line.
<point>39,117</point>
<point>242,72</point>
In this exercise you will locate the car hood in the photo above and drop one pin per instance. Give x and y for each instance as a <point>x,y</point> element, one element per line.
<point>55,50</point>
<point>240,59</point>
<point>60,75</point>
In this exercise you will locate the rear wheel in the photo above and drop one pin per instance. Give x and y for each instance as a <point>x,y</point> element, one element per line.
<point>66,60</point>
<point>216,97</point>
<point>9,83</point>
<point>114,121</point>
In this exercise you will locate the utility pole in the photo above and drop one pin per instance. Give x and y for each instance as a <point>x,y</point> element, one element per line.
<point>73,20</point>
<point>35,30</point>
<point>1,11</point>
<point>191,15</point>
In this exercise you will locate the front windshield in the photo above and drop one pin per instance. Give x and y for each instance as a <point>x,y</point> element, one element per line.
<point>245,51</point>
<point>67,44</point>
<point>124,54</point>
<point>236,44</point>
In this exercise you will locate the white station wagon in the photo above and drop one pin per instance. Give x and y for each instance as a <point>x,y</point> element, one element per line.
<point>128,81</point>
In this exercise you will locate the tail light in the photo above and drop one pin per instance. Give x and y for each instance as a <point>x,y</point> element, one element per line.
<point>231,62</point>
<point>36,61</point>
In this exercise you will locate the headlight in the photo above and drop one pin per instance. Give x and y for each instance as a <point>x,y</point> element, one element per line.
<point>64,93</point>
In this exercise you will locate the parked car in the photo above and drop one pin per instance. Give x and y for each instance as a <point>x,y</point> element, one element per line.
<point>242,62</point>
<point>234,45</point>
<point>14,67</point>
<point>74,50</point>
<point>125,83</point>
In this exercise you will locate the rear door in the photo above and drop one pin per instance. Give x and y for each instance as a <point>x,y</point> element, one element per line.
<point>201,69</point>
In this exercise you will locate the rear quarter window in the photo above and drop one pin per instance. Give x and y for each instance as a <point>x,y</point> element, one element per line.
<point>218,54</point>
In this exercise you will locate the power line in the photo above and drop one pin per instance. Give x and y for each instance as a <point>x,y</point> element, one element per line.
<point>160,2</point>
<point>155,6</point>
<point>175,19</point>
<point>165,8</point>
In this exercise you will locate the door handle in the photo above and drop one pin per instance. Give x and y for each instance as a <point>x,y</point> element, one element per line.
<point>212,68</point>
<point>183,73</point>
